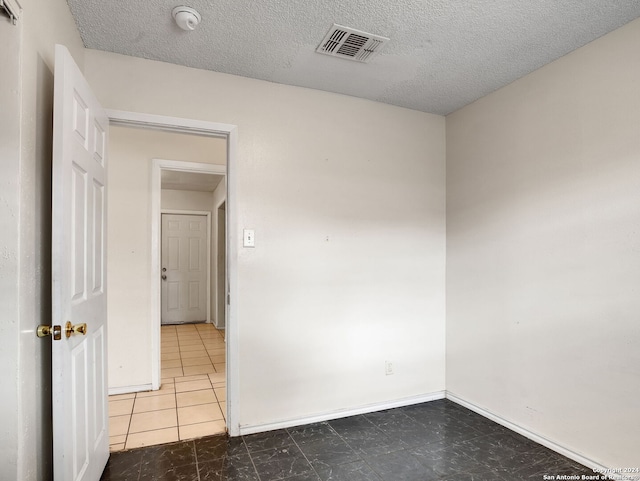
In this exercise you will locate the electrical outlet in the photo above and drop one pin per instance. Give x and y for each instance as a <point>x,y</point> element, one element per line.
<point>388,368</point>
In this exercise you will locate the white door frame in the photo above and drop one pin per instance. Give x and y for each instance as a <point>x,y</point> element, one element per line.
<point>219,299</point>
<point>212,129</point>
<point>208,216</point>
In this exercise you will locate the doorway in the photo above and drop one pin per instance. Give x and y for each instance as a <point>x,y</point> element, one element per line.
<point>175,187</point>
<point>223,357</point>
<point>192,348</point>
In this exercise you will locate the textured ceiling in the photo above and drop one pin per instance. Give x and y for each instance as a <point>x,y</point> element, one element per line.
<point>443,54</point>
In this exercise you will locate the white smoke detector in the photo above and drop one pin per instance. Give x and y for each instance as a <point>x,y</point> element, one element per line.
<point>187,18</point>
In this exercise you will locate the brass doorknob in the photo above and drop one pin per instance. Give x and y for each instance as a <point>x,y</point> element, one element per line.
<point>44,331</point>
<point>77,329</point>
<point>164,278</point>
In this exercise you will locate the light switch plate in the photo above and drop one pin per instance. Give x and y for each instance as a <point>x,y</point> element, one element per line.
<point>248,239</point>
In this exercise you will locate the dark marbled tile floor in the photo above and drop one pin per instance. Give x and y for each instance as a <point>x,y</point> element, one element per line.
<point>439,440</point>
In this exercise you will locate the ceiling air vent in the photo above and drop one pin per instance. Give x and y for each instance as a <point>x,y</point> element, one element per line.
<point>351,44</point>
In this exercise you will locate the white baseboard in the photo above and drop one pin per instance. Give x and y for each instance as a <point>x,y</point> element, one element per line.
<point>341,413</point>
<point>130,389</point>
<point>528,434</point>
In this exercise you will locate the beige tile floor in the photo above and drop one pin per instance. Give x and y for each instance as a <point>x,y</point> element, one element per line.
<point>191,401</point>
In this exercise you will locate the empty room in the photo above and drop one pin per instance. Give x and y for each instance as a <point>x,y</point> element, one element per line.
<point>418,240</point>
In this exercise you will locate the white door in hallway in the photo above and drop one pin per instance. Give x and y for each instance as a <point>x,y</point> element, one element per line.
<point>185,269</point>
<point>79,345</point>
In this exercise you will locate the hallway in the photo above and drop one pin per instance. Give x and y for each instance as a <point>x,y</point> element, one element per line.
<point>191,402</point>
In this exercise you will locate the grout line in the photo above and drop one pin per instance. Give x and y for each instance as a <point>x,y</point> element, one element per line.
<point>175,396</point>
<point>255,470</point>
<point>360,456</point>
<point>195,455</point>
<point>303,453</point>
<point>126,436</point>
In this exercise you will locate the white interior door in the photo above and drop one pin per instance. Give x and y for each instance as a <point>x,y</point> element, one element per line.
<point>184,268</point>
<point>80,409</point>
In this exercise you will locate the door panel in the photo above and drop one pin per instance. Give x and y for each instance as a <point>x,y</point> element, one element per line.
<point>79,394</point>
<point>184,250</point>
<point>194,253</point>
<point>173,298</point>
<point>98,237</point>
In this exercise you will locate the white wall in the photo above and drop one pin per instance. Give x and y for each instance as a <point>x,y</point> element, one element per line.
<point>347,200</point>
<point>10,88</point>
<point>26,119</point>
<point>129,240</point>
<point>543,257</point>
<point>187,200</point>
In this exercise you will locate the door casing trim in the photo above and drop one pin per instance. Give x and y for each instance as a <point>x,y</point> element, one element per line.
<point>230,133</point>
